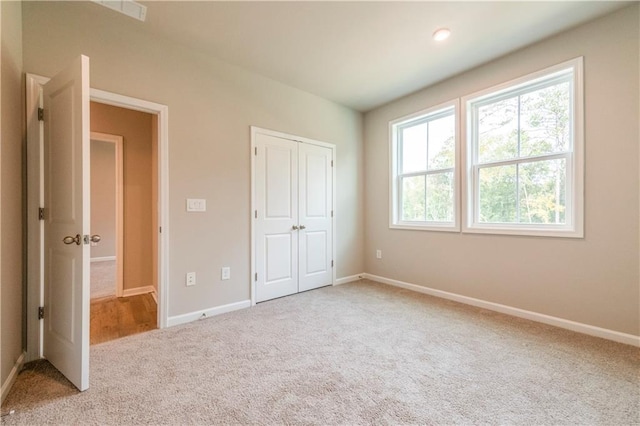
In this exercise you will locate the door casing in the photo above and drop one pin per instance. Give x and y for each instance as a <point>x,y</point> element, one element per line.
<point>35,199</point>
<point>254,131</point>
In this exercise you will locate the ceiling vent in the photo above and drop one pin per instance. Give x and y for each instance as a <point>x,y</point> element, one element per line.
<point>127,7</point>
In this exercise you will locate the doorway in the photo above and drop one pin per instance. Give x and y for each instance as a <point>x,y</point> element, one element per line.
<point>123,195</point>
<point>35,200</point>
<point>107,215</point>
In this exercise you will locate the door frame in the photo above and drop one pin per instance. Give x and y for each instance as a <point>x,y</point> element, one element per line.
<point>35,199</point>
<point>119,167</point>
<point>254,132</point>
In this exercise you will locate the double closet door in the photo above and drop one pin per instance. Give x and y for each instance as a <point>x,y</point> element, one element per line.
<point>293,209</point>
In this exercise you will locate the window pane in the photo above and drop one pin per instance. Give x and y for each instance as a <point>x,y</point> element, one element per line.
<point>442,147</point>
<point>544,120</point>
<point>498,194</point>
<point>414,148</point>
<point>440,197</point>
<point>413,198</point>
<point>498,130</point>
<point>543,192</point>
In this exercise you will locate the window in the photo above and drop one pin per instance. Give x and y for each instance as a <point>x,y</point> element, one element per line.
<point>424,178</point>
<point>524,169</point>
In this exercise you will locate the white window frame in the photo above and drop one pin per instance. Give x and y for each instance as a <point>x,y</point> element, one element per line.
<point>574,226</point>
<point>395,194</point>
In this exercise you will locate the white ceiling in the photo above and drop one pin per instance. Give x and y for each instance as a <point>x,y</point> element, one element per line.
<point>362,54</point>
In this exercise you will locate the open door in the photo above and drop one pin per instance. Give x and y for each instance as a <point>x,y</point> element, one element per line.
<point>67,227</point>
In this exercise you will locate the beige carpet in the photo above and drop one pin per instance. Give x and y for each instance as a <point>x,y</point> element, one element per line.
<point>361,353</point>
<point>103,279</point>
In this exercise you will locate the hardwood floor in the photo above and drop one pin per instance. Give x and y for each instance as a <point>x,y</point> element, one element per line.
<point>115,317</point>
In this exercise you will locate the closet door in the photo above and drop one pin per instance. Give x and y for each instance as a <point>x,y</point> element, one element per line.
<point>315,209</point>
<point>276,221</point>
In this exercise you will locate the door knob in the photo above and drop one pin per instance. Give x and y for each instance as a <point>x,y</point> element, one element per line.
<point>303,227</point>
<point>294,227</point>
<point>70,240</point>
<point>95,238</point>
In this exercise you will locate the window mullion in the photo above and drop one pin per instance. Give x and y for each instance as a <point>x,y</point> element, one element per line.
<point>518,165</point>
<point>518,193</point>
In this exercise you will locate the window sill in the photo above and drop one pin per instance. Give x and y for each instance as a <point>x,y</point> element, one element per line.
<point>555,232</point>
<point>429,227</point>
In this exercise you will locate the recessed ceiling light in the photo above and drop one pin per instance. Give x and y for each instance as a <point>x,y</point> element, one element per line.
<point>441,34</point>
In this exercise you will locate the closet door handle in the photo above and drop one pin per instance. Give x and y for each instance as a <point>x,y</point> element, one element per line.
<point>303,227</point>
<point>295,227</point>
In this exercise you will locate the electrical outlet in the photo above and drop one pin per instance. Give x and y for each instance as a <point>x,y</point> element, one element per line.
<point>378,254</point>
<point>225,273</point>
<point>191,278</point>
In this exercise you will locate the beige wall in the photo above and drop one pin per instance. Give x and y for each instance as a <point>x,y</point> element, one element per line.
<point>103,197</point>
<point>592,280</point>
<point>135,128</point>
<point>11,155</point>
<point>211,106</point>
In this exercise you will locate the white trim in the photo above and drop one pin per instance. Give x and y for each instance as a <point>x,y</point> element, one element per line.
<point>575,166</point>
<point>348,279</point>
<point>395,221</point>
<point>35,176</point>
<point>254,131</point>
<point>578,327</point>
<point>35,199</point>
<point>218,310</point>
<point>128,292</point>
<point>13,375</point>
<point>103,259</point>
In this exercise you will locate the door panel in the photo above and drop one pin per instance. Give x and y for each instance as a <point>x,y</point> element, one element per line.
<point>276,195</point>
<point>66,198</point>
<point>278,182</point>
<point>278,258</point>
<point>316,252</point>
<point>315,186</point>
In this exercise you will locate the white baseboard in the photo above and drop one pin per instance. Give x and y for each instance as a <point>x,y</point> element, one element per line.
<point>103,259</point>
<point>192,316</point>
<point>349,279</point>
<point>128,292</point>
<point>13,375</point>
<point>591,330</point>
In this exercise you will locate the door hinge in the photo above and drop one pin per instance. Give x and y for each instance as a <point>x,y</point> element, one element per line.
<point>160,229</point>
<point>40,114</point>
<point>41,312</point>
<point>331,163</point>
<point>40,213</point>
<point>255,151</point>
<point>256,278</point>
<point>332,263</point>
<point>255,214</point>
<point>331,213</point>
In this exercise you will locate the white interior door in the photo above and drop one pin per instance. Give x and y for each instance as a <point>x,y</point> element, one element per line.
<point>315,210</point>
<point>276,217</point>
<point>66,228</point>
<point>293,217</point>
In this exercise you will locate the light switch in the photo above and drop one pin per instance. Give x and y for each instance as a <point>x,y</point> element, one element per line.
<point>196,205</point>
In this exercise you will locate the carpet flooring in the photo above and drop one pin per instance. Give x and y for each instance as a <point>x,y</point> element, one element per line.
<point>103,279</point>
<point>360,353</point>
